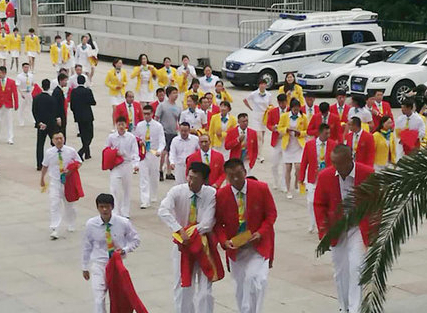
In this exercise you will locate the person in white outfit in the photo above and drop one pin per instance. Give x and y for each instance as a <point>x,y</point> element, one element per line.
<point>83,52</point>
<point>121,175</point>
<point>185,205</point>
<point>152,134</point>
<point>71,46</point>
<point>181,147</point>
<point>93,57</point>
<point>103,235</point>
<point>55,162</point>
<point>207,82</point>
<point>25,83</point>
<point>194,116</point>
<point>186,67</point>
<point>72,81</point>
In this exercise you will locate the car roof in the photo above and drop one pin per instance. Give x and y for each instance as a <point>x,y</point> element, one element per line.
<point>421,44</point>
<point>378,44</point>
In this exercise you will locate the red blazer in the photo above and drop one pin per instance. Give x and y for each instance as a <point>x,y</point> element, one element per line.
<point>344,118</point>
<point>316,110</point>
<point>121,110</point>
<point>9,97</point>
<point>6,27</point>
<point>10,10</point>
<point>154,105</point>
<point>327,200</point>
<point>272,120</point>
<point>232,143</point>
<point>365,152</point>
<point>215,110</point>
<point>333,122</point>
<point>260,217</point>
<point>309,160</point>
<point>217,174</point>
<point>386,111</point>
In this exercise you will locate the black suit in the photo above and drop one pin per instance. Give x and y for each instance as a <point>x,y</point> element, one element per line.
<point>58,95</point>
<point>44,111</point>
<point>81,101</point>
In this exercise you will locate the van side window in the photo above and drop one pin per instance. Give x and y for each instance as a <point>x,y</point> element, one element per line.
<point>356,36</point>
<point>293,44</point>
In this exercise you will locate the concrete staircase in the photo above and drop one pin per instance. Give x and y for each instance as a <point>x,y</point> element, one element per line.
<point>127,29</point>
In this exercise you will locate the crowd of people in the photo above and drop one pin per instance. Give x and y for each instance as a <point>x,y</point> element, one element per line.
<point>210,153</point>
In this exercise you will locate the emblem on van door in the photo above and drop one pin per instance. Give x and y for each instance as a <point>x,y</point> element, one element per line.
<point>326,38</point>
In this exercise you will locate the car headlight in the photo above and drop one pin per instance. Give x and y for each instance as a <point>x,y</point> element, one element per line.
<point>322,75</point>
<point>381,79</point>
<point>247,66</point>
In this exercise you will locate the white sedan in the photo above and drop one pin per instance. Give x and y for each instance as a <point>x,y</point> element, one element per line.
<point>396,76</point>
<point>331,74</point>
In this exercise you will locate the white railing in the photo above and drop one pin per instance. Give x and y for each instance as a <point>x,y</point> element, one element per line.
<point>52,12</point>
<point>250,29</point>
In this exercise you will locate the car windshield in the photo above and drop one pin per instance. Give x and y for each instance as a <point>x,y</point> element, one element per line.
<point>265,40</point>
<point>408,55</point>
<point>344,55</point>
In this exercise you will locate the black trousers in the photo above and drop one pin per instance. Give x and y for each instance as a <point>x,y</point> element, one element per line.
<point>86,136</point>
<point>41,139</point>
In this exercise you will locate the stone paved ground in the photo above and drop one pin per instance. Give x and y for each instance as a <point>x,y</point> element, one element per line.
<point>39,275</point>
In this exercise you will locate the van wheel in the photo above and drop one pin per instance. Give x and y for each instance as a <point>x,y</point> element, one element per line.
<point>399,91</point>
<point>340,83</point>
<point>270,76</point>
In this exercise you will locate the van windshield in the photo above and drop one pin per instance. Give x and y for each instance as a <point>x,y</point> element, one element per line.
<point>344,55</point>
<point>265,40</point>
<point>408,55</point>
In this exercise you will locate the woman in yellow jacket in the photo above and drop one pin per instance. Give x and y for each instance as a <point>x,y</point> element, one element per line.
<point>57,49</point>
<point>221,94</point>
<point>194,90</point>
<point>292,89</point>
<point>293,128</point>
<point>4,46</point>
<point>219,125</point>
<point>116,82</point>
<point>32,47</point>
<point>385,144</point>
<point>145,75</point>
<point>168,76</point>
<point>15,47</point>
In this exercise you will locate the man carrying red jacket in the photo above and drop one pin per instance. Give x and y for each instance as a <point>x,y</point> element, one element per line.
<point>8,102</point>
<point>131,110</point>
<point>325,117</point>
<point>333,185</point>
<point>210,157</point>
<point>242,142</point>
<point>316,157</point>
<point>361,143</point>
<point>341,108</point>
<point>246,206</point>
<point>379,107</point>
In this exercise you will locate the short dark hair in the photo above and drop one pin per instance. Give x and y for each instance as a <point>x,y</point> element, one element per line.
<point>25,63</point>
<point>407,103</point>
<point>233,163</point>
<point>78,65</point>
<point>184,56</point>
<point>67,34</point>
<point>194,81</point>
<point>166,58</point>
<point>206,66</point>
<point>242,115</point>
<point>200,167</point>
<point>341,92</point>
<point>115,61</point>
<point>359,99</point>
<point>81,79</point>
<point>148,107</point>
<point>61,76</point>
<point>3,69</point>
<point>120,119</point>
<point>282,97</point>
<point>324,107</point>
<point>342,148</point>
<point>31,30</point>
<point>226,103</point>
<point>159,90</point>
<point>195,98</point>
<point>104,198</point>
<point>202,98</point>
<point>209,93</point>
<point>262,81</point>
<point>322,127</point>
<point>56,132</point>
<point>16,29</point>
<point>58,37</point>
<point>294,102</point>
<point>127,93</point>
<point>45,84</point>
<point>219,82</point>
<point>356,121</point>
<point>185,124</point>
<point>170,89</point>
<point>63,69</point>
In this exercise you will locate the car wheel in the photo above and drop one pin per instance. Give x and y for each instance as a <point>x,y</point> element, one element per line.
<point>340,83</point>
<point>237,84</point>
<point>270,76</point>
<point>399,92</point>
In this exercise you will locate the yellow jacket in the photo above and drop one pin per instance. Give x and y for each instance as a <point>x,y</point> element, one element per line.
<point>215,125</point>
<point>32,44</point>
<point>190,92</point>
<point>382,150</point>
<point>54,55</point>
<point>284,123</point>
<point>14,42</point>
<point>225,96</point>
<point>136,73</point>
<point>3,5</point>
<point>163,79</point>
<point>424,141</point>
<point>4,43</point>
<point>297,94</point>
<point>112,81</point>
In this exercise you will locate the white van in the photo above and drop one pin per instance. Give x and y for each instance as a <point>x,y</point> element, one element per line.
<point>295,40</point>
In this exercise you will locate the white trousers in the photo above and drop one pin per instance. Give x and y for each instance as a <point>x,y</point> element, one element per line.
<point>310,203</point>
<point>24,108</point>
<point>120,188</point>
<point>250,272</point>
<point>247,167</point>
<point>191,299</point>
<point>99,286</point>
<point>277,168</point>
<point>348,256</point>
<point>60,207</point>
<point>6,122</point>
<point>149,178</point>
<point>180,177</point>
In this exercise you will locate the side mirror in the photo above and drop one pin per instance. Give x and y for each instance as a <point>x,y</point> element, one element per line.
<point>362,62</point>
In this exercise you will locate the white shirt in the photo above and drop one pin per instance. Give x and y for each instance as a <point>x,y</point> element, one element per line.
<point>415,123</point>
<point>126,145</point>
<point>346,184</point>
<point>363,113</point>
<point>82,55</point>
<point>191,75</point>
<point>174,210</point>
<point>157,135</point>
<point>181,149</point>
<point>95,250</point>
<point>72,82</point>
<point>202,154</point>
<point>25,82</point>
<point>196,119</point>
<point>51,160</point>
<point>208,86</point>
<point>259,103</point>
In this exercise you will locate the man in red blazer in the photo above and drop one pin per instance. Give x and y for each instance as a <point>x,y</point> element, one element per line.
<point>273,119</point>
<point>208,109</point>
<point>246,206</point>
<point>161,95</point>
<point>341,108</point>
<point>348,251</point>
<point>325,117</point>
<point>361,143</point>
<point>316,157</point>
<point>130,108</point>
<point>379,107</point>
<point>8,103</point>
<point>309,109</point>
<point>213,158</point>
<point>242,142</point>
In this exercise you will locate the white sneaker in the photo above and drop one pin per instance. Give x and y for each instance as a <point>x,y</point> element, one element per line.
<point>289,196</point>
<point>113,130</point>
<point>311,229</point>
<point>274,187</point>
<point>54,235</point>
<point>10,142</point>
<point>261,159</point>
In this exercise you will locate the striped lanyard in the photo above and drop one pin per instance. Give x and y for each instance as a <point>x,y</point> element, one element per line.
<point>340,110</point>
<point>355,144</point>
<point>130,118</point>
<point>206,158</point>
<point>28,83</point>
<point>147,138</point>
<point>242,209</point>
<point>407,122</point>
<point>192,219</point>
<point>109,240</point>
<point>321,160</point>
<point>61,167</point>
<point>244,147</point>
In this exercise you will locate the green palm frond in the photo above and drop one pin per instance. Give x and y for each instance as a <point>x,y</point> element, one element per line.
<point>396,202</point>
